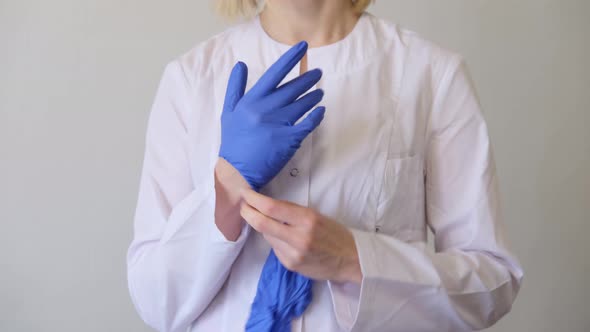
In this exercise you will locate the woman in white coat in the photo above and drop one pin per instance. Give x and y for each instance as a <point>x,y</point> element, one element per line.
<point>402,147</point>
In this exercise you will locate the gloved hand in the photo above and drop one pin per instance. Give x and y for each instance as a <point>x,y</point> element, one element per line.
<point>258,135</point>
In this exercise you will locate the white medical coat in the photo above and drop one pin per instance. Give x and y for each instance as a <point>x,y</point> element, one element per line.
<point>403,146</point>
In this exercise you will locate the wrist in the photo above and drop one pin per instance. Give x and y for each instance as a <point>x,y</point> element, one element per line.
<point>228,184</point>
<point>225,171</point>
<point>351,268</point>
<point>228,174</point>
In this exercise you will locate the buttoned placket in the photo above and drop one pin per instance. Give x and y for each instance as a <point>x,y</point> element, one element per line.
<point>293,182</point>
<point>296,173</point>
<point>297,180</point>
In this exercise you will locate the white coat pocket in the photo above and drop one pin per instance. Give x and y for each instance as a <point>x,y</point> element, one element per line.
<point>400,207</point>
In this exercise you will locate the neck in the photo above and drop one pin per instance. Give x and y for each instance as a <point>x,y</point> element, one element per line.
<point>319,22</point>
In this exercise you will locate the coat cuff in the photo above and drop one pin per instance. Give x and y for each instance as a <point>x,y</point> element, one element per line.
<point>365,307</point>
<point>349,298</point>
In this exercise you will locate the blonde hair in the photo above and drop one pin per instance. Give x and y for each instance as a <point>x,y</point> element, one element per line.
<point>245,8</point>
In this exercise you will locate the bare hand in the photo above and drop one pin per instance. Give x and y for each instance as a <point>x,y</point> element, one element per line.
<point>303,240</point>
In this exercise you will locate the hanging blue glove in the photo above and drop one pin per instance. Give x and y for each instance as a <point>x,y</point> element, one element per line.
<point>281,296</point>
<point>258,135</point>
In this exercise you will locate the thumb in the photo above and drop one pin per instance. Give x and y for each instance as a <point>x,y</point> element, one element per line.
<point>236,86</point>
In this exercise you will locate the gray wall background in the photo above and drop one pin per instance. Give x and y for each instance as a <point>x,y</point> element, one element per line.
<point>77,79</point>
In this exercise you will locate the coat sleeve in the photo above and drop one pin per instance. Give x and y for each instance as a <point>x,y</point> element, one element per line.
<point>178,259</point>
<point>471,279</point>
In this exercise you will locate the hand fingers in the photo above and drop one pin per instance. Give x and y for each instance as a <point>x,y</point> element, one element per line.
<point>282,211</point>
<point>277,72</point>
<point>262,223</point>
<point>290,91</point>
<point>291,113</point>
<point>235,86</point>
<point>310,122</point>
<point>284,251</point>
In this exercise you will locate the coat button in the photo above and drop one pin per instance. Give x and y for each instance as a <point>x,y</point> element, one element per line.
<point>377,229</point>
<point>294,172</point>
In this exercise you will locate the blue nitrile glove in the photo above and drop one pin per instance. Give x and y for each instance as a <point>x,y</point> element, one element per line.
<point>281,296</point>
<point>258,135</point>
